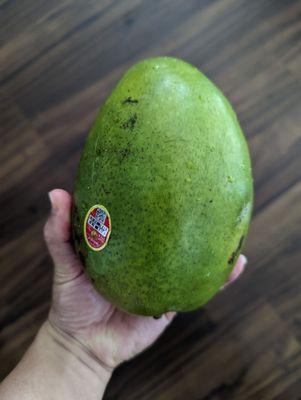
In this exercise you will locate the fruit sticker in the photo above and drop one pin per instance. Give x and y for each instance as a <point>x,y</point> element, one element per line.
<point>97,227</point>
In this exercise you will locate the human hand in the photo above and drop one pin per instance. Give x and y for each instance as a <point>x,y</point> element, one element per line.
<point>108,334</point>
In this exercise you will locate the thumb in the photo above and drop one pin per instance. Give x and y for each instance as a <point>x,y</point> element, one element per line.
<point>57,234</point>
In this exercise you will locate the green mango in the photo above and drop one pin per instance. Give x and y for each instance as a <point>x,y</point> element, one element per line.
<point>169,167</point>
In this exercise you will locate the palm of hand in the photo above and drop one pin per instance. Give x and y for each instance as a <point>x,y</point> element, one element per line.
<point>110,334</point>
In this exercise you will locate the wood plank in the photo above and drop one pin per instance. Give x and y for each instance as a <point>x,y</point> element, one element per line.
<point>258,362</point>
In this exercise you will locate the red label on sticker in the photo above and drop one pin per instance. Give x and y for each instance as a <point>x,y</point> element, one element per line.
<point>97,227</point>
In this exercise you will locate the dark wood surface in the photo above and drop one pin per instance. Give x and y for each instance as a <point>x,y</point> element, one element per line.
<point>59,60</point>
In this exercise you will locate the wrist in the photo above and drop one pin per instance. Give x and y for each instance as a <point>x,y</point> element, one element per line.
<point>56,366</point>
<point>75,364</point>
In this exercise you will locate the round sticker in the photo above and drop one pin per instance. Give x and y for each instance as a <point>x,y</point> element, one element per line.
<point>97,227</point>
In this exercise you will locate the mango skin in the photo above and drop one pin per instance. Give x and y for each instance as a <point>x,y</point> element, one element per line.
<point>167,157</point>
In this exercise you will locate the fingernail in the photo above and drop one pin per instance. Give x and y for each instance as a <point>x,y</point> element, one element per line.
<point>170,315</point>
<point>244,259</point>
<point>224,286</point>
<point>52,203</point>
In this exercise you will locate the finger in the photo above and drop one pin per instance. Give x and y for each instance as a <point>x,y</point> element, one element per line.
<point>170,315</point>
<point>57,233</point>
<point>237,270</point>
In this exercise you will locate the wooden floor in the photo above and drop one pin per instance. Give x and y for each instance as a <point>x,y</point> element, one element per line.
<point>59,60</point>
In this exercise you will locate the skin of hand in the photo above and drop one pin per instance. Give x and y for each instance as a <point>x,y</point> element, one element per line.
<point>85,337</point>
<point>111,335</point>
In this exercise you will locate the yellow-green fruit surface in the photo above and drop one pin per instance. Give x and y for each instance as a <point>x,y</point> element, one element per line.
<point>167,158</point>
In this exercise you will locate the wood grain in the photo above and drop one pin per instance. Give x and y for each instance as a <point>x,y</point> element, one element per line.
<point>59,60</point>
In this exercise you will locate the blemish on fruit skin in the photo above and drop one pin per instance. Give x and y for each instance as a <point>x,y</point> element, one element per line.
<point>231,259</point>
<point>130,100</point>
<point>243,214</point>
<point>230,179</point>
<point>240,243</point>
<point>130,123</point>
<point>125,153</point>
<point>236,251</point>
